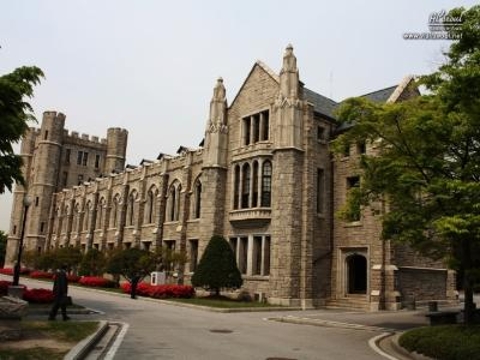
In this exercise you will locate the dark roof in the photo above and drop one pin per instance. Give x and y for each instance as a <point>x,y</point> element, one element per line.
<point>321,104</point>
<point>381,95</point>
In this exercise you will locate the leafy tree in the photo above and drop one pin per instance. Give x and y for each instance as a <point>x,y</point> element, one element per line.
<point>93,263</point>
<point>15,113</point>
<point>133,264</point>
<point>426,161</point>
<point>3,247</point>
<point>217,268</point>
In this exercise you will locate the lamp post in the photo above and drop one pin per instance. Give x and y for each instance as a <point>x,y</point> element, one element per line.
<point>16,269</point>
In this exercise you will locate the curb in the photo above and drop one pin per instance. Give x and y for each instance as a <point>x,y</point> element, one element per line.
<point>401,350</point>
<point>80,350</point>
<point>329,323</point>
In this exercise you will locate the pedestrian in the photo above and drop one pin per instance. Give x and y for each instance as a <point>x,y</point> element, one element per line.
<point>60,293</point>
<point>133,286</point>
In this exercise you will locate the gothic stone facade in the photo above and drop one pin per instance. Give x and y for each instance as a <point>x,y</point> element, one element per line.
<point>264,178</point>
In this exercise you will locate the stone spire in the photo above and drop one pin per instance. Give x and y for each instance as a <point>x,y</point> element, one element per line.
<point>289,74</point>
<point>216,133</point>
<point>218,105</point>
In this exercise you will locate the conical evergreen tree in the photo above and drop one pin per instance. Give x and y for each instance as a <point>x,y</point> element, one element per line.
<point>217,268</point>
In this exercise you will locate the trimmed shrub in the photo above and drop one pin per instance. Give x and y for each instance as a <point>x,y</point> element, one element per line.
<point>445,342</point>
<point>9,271</point>
<point>73,278</point>
<point>217,268</point>
<point>38,296</point>
<point>95,281</point>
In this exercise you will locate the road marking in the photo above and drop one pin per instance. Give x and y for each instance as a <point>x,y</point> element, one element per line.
<point>113,349</point>
<point>373,344</point>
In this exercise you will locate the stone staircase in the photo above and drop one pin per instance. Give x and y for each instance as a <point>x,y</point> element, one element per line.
<point>349,303</point>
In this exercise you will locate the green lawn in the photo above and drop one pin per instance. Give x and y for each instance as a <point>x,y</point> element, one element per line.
<point>65,335</point>
<point>446,342</point>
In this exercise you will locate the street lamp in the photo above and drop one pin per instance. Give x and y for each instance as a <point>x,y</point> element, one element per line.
<point>16,269</point>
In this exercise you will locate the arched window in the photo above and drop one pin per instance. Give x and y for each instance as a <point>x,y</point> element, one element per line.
<point>65,218</point>
<point>356,274</point>
<point>131,207</point>
<point>246,186</point>
<point>86,218</point>
<point>266,184</point>
<point>197,199</point>
<point>174,201</point>
<point>115,210</point>
<point>151,205</point>
<point>236,187</point>
<point>100,213</point>
<point>76,217</point>
<point>255,184</point>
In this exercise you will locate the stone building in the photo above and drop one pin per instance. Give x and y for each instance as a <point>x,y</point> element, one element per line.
<point>264,177</point>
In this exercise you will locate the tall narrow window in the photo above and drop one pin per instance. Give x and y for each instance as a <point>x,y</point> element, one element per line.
<point>353,183</point>
<point>246,186</point>
<point>266,184</point>
<point>85,159</point>
<point>173,201</point>
<point>46,135</point>
<point>255,185</point>
<point>115,210</point>
<point>132,199</point>
<point>150,210</point>
<point>256,127</point>
<point>68,153</point>
<point>87,216</point>
<point>266,256</point>
<point>243,255</point>
<point>320,190</point>
<point>246,130</point>
<point>265,126</point>
<point>97,161</point>
<point>198,199</point>
<point>236,187</point>
<point>79,157</point>
<point>257,255</point>
<point>233,245</point>
<point>64,179</point>
<point>100,213</point>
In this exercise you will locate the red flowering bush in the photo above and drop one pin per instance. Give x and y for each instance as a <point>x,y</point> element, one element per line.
<point>9,271</point>
<point>73,278</point>
<point>96,281</point>
<point>4,287</point>
<point>39,274</point>
<point>161,291</point>
<point>38,296</point>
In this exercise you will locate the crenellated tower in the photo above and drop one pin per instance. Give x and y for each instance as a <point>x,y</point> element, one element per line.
<point>44,177</point>
<point>116,150</point>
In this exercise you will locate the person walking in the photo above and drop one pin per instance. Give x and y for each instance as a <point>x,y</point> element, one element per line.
<point>60,293</point>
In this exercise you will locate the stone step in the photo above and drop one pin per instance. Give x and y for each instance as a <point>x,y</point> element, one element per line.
<point>349,303</point>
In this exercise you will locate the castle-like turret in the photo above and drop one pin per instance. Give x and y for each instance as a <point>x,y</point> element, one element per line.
<point>116,150</point>
<point>44,177</point>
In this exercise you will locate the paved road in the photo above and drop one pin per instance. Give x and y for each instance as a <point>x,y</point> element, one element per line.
<point>162,331</point>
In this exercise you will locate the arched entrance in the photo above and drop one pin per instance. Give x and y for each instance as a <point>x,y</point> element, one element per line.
<point>356,274</point>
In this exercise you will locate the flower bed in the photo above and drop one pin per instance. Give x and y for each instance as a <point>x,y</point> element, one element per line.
<point>38,296</point>
<point>9,271</point>
<point>73,278</point>
<point>161,291</point>
<point>95,281</point>
<point>39,274</point>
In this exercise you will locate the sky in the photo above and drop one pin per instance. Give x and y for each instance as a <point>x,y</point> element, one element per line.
<point>149,66</point>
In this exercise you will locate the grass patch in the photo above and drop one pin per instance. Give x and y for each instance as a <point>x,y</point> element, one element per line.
<point>69,331</point>
<point>221,302</point>
<point>446,342</point>
<point>50,340</point>
<point>32,354</point>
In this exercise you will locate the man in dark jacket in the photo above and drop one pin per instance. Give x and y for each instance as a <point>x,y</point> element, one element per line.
<point>60,291</point>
